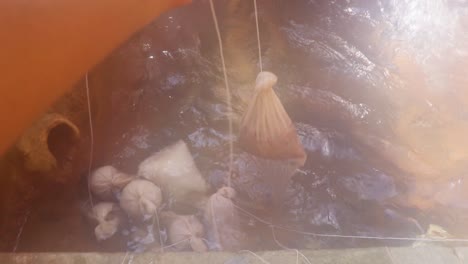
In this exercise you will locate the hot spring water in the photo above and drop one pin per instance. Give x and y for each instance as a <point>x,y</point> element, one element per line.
<point>376,90</point>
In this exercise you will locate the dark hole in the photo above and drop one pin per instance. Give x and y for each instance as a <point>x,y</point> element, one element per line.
<point>61,142</point>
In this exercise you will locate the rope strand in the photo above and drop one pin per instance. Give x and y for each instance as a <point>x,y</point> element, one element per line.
<point>258,37</point>
<point>159,230</point>
<point>228,92</point>
<point>91,135</point>
<point>415,239</point>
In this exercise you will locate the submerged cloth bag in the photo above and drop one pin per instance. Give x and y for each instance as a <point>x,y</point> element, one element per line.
<point>185,232</point>
<point>222,218</point>
<point>174,170</point>
<point>108,217</point>
<point>106,181</point>
<point>266,129</point>
<point>141,199</point>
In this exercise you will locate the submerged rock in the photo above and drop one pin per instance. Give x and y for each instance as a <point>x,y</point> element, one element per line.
<point>329,145</point>
<point>454,194</point>
<point>371,185</point>
<point>262,183</point>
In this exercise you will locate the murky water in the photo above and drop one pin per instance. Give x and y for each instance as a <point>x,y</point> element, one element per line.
<point>377,90</point>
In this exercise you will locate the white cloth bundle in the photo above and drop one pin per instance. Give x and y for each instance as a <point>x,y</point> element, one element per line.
<point>185,232</point>
<point>223,220</point>
<point>174,170</point>
<point>106,181</point>
<point>141,199</point>
<point>109,219</point>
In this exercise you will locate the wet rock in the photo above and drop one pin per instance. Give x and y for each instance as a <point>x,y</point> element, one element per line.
<point>325,215</point>
<point>328,144</point>
<point>373,185</point>
<point>205,138</point>
<point>261,182</point>
<point>454,194</point>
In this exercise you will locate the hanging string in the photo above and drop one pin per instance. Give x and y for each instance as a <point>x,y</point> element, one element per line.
<point>18,237</point>
<point>91,135</point>
<point>228,92</point>
<point>258,37</point>
<point>415,239</point>
<point>125,258</point>
<point>156,215</point>
<point>213,220</point>
<point>286,248</point>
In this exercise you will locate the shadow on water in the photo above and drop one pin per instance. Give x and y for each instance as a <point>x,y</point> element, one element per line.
<point>377,90</point>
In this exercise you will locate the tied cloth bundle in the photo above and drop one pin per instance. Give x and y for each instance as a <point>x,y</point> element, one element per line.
<point>266,129</point>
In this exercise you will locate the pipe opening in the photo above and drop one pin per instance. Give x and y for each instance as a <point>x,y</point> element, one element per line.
<point>61,141</point>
